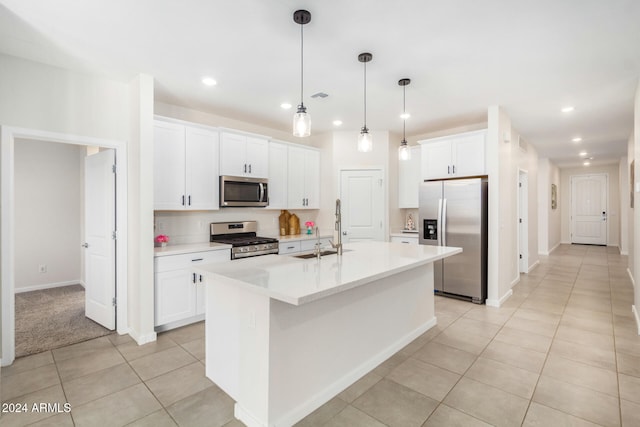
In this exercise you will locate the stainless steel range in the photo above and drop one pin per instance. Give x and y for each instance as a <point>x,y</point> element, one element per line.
<point>243,239</point>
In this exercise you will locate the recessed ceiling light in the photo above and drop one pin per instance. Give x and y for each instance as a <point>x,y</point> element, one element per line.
<point>285,105</point>
<point>405,116</point>
<point>567,109</point>
<point>337,122</point>
<point>582,153</point>
<point>209,81</point>
<point>576,139</point>
<point>586,163</point>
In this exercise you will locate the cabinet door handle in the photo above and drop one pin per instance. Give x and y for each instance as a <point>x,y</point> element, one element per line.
<point>245,168</point>
<point>249,167</point>
<point>194,277</point>
<point>201,278</point>
<point>183,200</point>
<point>290,247</point>
<point>454,168</point>
<point>189,199</point>
<point>197,259</point>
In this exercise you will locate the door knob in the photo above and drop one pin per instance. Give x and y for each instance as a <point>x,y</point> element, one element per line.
<point>344,233</point>
<point>85,245</point>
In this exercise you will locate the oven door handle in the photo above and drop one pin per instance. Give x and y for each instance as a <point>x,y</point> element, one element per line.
<point>261,196</point>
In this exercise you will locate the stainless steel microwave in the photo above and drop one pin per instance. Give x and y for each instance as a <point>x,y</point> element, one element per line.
<point>240,191</point>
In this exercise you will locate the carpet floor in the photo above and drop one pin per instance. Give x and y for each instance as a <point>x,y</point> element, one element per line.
<point>52,318</point>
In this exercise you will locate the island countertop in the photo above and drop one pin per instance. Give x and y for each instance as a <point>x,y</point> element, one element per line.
<point>299,281</point>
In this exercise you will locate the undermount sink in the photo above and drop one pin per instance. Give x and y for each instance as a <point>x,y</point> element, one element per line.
<point>322,253</point>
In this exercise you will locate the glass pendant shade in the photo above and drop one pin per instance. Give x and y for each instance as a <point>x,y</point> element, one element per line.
<point>404,153</point>
<point>365,141</point>
<point>301,122</point>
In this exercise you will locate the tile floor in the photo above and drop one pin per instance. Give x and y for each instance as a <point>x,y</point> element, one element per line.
<point>563,350</point>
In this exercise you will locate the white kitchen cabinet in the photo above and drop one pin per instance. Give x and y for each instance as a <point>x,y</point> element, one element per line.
<point>303,178</point>
<point>409,179</point>
<point>287,246</point>
<point>179,291</point>
<point>454,156</point>
<point>243,155</point>
<point>185,167</point>
<point>278,171</point>
<point>409,239</point>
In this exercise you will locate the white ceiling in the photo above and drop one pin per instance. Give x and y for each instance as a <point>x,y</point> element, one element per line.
<point>532,58</point>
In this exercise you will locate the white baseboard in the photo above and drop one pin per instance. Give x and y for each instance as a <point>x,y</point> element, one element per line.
<point>633,282</point>
<point>499,302</point>
<point>532,266</point>
<point>515,281</point>
<point>637,317</point>
<point>546,253</point>
<point>624,253</point>
<point>142,338</point>
<point>47,286</point>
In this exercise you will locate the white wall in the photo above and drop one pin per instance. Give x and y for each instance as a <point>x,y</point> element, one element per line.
<point>623,168</point>
<point>47,214</point>
<point>630,211</point>
<point>549,219</point>
<point>528,161</point>
<point>636,212</point>
<point>613,203</point>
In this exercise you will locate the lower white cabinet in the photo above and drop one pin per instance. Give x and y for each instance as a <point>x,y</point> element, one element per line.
<point>306,245</point>
<point>179,291</point>
<point>412,240</point>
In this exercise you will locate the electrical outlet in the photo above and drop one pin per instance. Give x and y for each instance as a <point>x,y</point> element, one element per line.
<point>42,268</point>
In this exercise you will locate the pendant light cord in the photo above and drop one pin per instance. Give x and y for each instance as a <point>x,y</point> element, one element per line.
<point>301,64</point>
<point>365,95</point>
<point>404,112</point>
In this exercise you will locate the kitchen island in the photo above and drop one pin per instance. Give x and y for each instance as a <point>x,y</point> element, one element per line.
<point>284,335</point>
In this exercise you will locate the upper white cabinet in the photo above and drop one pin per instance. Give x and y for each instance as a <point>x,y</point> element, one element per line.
<point>185,167</point>
<point>303,178</point>
<point>454,156</point>
<point>409,179</point>
<point>244,155</point>
<point>278,171</point>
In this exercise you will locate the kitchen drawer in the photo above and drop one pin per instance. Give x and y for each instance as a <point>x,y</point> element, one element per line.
<point>288,247</point>
<point>175,262</point>
<point>309,245</point>
<point>412,240</point>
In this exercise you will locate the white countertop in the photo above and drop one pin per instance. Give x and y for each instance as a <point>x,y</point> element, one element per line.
<point>303,236</point>
<point>189,248</point>
<point>298,281</point>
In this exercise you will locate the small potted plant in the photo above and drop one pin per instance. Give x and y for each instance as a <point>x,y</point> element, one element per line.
<point>162,240</point>
<point>309,225</point>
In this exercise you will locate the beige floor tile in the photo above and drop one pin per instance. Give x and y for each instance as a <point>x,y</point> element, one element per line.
<point>425,378</point>
<point>60,420</point>
<point>132,351</point>
<point>630,413</point>
<point>390,364</point>
<point>186,333</point>
<point>118,408</point>
<point>176,385</point>
<point>234,423</point>
<point>541,416</point>
<point>83,349</point>
<point>505,377</point>
<point>446,357</point>
<point>577,373</point>
<point>629,387</point>
<point>462,340</point>
<point>196,348</point>
<point>591,405</point>
<point>445,416</point>
<point>523,339</point>
<point>628,345</point>
<point>519,357</point>
<point>83,365</point>
<point>120,339</point>
<point>395,405</point>
<point>551,306</point>
<point>29,381</point>
<point>474,327</point>
<point>629,364</point>
<point>584,337</point>
<point>356,389</point>
<point>156,419</point>
<point>52,395</point>
<point>593,324</point>
<point>589,303</point>
<point>487,403</point>
<point>580,353</point>
<point>493,315</point>
<point>99,384</point>
<point>539,327</point>
<point>27,363</point>
<point>323,414</point>
<point>159,363</point>
<point>416,344</point>
<point>352,417</point>
<point>211,407</point>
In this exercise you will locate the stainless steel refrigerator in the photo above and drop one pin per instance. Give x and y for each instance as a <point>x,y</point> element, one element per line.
<point>453,212</point>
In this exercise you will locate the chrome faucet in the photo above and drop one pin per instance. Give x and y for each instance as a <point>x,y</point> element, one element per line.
<point>338,245</point>
<point>317,250</point>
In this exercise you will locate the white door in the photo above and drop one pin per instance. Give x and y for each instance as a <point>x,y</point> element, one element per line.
<point>362,199</point>
<point>589,209</point>
<point>523,223</point>
<point>99,219</point>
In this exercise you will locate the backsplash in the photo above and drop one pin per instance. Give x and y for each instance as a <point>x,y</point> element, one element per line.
<point>193,226</point>
<point>405,213</point>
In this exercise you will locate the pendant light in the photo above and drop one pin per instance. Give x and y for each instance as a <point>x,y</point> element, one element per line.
<point>301,119</point>
<point>365,141</point>
<point>404,153</point>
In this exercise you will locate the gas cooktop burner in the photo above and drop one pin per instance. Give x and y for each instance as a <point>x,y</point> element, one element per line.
<point>243,239</point>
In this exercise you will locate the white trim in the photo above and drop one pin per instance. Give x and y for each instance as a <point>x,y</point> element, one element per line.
<point>47,286</point>
<point>624,253</point>
<point>534,265</point>
<point>499,302</point>
<point>637,317</point>
<point>140,339</point>
<point>515,281</point>
<point>633,282</point>
<point>8,135</point>
<point>553,248</point>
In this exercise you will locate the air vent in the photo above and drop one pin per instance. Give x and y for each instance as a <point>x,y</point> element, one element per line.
<point>319,95</point>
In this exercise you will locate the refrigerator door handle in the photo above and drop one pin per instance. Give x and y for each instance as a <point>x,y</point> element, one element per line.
<point>440,225</point>
<point>443,227</point>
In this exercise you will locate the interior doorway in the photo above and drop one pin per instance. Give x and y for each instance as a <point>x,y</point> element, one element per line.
<point>523,222</point>
<point>10,137</point>
<point>589,200</point>
<point>362,198</point>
